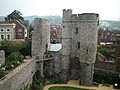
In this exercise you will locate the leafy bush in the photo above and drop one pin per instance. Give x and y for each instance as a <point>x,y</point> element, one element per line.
<point>104,51</point>
<point>104,77</point>
<point>1,73</point>
<point>15,56</point>
<point>27,49</point>
<point>11,46</point>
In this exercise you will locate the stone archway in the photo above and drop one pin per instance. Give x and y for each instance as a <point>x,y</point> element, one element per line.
<point>75,68</point>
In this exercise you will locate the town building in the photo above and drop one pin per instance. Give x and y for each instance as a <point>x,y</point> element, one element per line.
<point>104,36</point>
<point>56,34</point>
<point>7,31</point>
<point>14,30</point>
<point>21,32</point>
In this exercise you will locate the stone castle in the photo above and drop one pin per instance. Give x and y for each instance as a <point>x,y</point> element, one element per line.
<point>79,46</point>
<point>74,61</point>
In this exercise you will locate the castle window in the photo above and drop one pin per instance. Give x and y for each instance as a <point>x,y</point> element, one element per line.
<point>76,31</point>
<point>46,46</point>
<point>87,51</point>
<point>98,22</point>
<point>78,45</point>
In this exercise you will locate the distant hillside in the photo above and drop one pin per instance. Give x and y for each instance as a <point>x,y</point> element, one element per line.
<point>54,19</point>
<point>111,25</point>
<point>2,18</point>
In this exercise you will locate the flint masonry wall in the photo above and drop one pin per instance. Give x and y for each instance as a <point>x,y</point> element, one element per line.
<point>79,39</point>
<point>40,40</point>
<point>2,57</point>
<point>40,37</point>
<point>22,76</point>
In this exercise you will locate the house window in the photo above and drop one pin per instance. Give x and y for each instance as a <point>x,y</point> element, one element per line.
<point>78,45</point>
<point>19,32</point>
<point>1,30</point>
<point>2,36</point>
<point>76,31</point>
<point>8,30</point>
<point>8,37</point>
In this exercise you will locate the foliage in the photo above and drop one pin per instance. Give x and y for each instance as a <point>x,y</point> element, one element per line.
<point>30,30</point>
<point>1,73</point>
<point>38,82</point>
<point>104,77</point>
<point>11,46</point>
<point>66,88</point>
<point>27,49</point>
<point>9,63</point>
<point>104,51</point>
<point>15,15</point>
<point>15,56</point>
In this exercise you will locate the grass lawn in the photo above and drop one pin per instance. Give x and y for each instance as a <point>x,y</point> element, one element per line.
<point>66,88</point>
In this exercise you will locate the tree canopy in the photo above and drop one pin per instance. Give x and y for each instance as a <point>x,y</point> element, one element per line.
<point>11,46</point>
<point>15,15</point>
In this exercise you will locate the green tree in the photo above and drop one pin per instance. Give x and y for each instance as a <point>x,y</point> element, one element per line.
<point>26,51</point>
<point>15,56</point>
<point>104,51</point>
<point>15,15</point>
<point>30,30</point>
<point>11,46</point>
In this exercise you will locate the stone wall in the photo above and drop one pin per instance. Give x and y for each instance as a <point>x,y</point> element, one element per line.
<point>2,57</point>
<point>19,77</point>
<point>79,39</point>
<point>53,67</point>
<point>40,37</point>
<point>40,40</point>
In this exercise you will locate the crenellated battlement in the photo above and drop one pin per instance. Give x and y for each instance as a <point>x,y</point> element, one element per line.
<point>67,10</point>
<point>67,15</point>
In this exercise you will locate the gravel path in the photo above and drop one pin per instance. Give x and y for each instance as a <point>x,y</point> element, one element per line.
<point>75,83</point>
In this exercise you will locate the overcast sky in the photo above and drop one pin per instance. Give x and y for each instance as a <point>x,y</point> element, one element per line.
<point>108,9</point>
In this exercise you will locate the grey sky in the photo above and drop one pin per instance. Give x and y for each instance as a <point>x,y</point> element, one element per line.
<point>108,9</point>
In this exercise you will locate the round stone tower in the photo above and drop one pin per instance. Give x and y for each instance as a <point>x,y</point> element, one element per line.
<point>66,44</point>
<point>80,41</point>
<point>40,40</point>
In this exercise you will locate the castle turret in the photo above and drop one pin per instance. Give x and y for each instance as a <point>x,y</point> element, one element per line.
<point>66,38</point>
<point>80,41</point>
<point>40,39</point>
